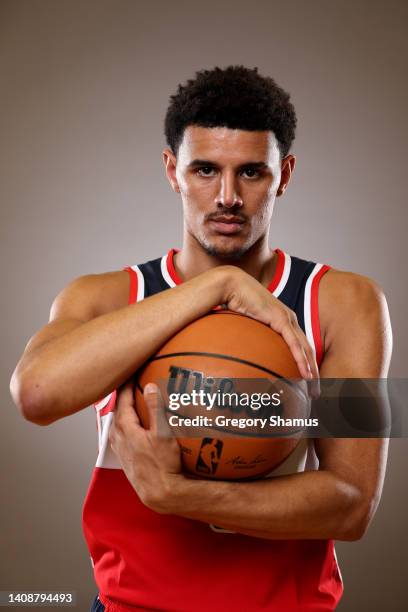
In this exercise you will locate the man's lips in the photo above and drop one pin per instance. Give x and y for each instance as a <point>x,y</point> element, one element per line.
<point>227,225</point>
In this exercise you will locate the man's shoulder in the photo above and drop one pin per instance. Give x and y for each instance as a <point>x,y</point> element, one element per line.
<point>348,288</point>
<point>347,299</point>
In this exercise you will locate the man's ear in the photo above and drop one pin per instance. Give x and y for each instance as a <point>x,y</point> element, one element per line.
<point>170,163</point>
<point>287,167</point>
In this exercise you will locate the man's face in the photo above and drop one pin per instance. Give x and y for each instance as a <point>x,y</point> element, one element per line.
<point>228,181</point>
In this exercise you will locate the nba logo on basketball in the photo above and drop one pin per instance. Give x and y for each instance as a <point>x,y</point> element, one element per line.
<point>209,456</point>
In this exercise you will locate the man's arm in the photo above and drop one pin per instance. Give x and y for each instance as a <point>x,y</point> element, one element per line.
<point>82,355</point>
<point>337,501</point>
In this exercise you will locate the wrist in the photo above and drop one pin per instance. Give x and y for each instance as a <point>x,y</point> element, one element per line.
<point>170,498</point>
<point>225,279</point>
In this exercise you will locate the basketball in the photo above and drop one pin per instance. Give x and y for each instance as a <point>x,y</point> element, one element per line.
<point>228,355</point>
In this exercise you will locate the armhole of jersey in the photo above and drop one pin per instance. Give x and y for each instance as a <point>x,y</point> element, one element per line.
<point>110,405</point>
<point>133,285</point>
<point>314,310</point>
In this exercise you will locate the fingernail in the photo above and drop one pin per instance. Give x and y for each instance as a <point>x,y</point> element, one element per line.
<point>150,388</point>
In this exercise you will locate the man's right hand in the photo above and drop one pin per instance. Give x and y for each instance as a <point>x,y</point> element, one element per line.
<point>245,295</point>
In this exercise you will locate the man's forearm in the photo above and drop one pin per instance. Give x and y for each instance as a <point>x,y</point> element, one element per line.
<point>81,366</point>
<point>311,505</point>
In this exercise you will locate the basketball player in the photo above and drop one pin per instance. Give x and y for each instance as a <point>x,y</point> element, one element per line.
<point>150,530</point>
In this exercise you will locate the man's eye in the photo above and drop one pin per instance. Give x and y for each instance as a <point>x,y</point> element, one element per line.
<point>250,173</point>
<point>206,171</point>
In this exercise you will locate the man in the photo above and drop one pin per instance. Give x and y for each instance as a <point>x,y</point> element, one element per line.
<point>150,530</point>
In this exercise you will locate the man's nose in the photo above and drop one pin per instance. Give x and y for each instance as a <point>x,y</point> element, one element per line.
<point>229,194</point>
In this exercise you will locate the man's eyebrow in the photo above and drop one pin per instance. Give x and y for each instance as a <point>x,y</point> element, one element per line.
<point>257,165</point>
<point>200,162</point>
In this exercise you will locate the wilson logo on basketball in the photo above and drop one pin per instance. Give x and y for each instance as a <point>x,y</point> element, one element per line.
<point>184,380</point>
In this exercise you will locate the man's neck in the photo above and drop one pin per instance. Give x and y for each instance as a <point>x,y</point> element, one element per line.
<point>259,262</point>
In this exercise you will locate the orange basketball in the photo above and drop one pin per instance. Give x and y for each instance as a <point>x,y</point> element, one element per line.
<point>233,396</point>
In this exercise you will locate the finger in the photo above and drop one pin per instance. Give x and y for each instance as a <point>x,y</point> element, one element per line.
<point>313,384</point>
<point>310,356</point>
<point>307,349</point>
<point>159,425</point>
<point>295,345</point>
<point>306,362</point>
<point>126,389</point>
<point>313,388</point>
<point>125,410</point>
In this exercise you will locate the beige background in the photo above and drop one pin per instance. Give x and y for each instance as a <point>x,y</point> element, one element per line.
<point>84,88</point>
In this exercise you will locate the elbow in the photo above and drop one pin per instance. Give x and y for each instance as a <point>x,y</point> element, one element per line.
<point>358,521</point>
<point>30,399</point>
<point>354,532</point>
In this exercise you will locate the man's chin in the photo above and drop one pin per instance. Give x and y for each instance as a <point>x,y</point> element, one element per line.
<point>224,253</point>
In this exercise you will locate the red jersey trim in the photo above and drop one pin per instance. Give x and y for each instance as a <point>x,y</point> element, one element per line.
<point>171,268</point>
<point>110,405</point>
<point>280,266</point>
<point>314,313</point>
<point>133,285</point>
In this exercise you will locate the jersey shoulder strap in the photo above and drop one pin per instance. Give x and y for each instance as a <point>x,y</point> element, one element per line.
<point>298,289</point>
<point>152,277</point>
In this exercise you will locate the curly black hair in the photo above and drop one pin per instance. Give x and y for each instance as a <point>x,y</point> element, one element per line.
<point>235,97</point>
